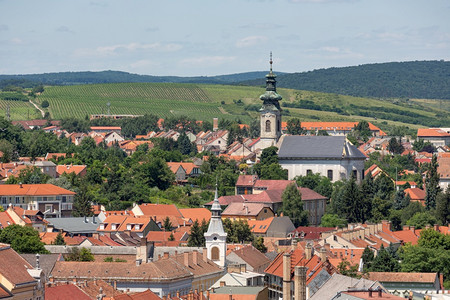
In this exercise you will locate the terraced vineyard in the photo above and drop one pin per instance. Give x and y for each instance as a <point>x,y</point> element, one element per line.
<point>18,110</point>
<point>161,99</point>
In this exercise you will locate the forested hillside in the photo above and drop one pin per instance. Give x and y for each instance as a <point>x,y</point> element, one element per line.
<point>415,79</point>
<point>74,78</point>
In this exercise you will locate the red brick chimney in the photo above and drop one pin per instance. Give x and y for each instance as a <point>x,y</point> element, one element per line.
<point>308,251</point>
<point>205,255</point>
<point>195,257</point>
<point>186,259</point>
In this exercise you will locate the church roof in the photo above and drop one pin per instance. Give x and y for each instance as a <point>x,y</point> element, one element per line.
<point>322,147</point>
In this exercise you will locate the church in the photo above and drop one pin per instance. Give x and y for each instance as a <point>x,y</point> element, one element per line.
<point>330,156</point>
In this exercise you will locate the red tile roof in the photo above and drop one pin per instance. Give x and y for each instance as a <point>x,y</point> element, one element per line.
<point>145,295</point>
<point>402,277</point>
<point>260,226</point>
<point>77,169</point>
<point>33,190</point>
<point>196,214</point>
<point>247,209</point>
<point>13,267</point>
<point>416,194</point>
<point>63,292</point>
<point>406,236</point>
<point>371,295</point>
<point>434,132</point>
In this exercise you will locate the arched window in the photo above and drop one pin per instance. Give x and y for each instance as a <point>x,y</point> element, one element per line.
<point>215,253</point>
<point>268,126</point>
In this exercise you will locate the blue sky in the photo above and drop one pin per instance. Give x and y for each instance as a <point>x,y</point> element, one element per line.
<point>211,37</point>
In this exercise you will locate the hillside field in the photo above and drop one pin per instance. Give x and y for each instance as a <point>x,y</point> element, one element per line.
<point>204,102</point>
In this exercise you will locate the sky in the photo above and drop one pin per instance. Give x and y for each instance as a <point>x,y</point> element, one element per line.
<point>212,37</point>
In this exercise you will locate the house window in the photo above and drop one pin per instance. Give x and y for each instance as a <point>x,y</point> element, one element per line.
<point>49,208</point>
<point>268,126</point>
<point>355,174</point>
<point>128,226</point>
<point>113,226</point>
<point>330,174</point>
<point>3,200</point>
<point>64,198</point>
<point>137,227</point>
<point>17,200</point>
<point>309,172</point>
<point>102,226</point>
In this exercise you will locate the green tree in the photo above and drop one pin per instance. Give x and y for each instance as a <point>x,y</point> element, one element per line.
<point>7,149</point>
<point>167,224</point>
<point>422,219</point>
<point>45,104</point>
<point>196,237</point>
<point>443,207</point>
<point>432,184</point>
<point>384,187</point>
<point>22,239</point>
<point>294,126</point>
<point>171,237</point>
<point>350,204</point>
<point>293,205</point>
<point>395,146</point>
<point>268,167</point>
<point>317,183</point>
<point>367,258</point>
<point>155,173</point>
<point>346,269</point>
<point>82,204</point>
<point>384,262</point>
<point>59,240</point>
<point>332,220</point>
<point>76,254</point>
<point>399,199</point>
<point>184,145</point>
<point>258,243</point>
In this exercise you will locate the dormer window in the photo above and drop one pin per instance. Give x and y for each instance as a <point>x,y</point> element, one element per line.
<point>129,226</point>
<point>137,226</point>
<point>102,226</point>
<point>113,226</point>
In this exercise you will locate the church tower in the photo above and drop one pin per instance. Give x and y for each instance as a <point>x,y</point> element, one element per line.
<point>270,112</point>
<point>216,237</point>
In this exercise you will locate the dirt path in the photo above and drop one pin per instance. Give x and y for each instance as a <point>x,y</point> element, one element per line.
<point>223,111</point>
<point>38,108</point>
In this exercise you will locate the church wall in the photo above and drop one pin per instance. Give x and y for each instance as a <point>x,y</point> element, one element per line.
<point>341,169</point>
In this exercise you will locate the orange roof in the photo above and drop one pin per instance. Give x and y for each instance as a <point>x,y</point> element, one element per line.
<point>213,296</point>
<point>337,126</point>
<point>187,166</point>
<point>435,132</point>
<point>106,128</point>
<point>416,194</point>
<point>5,220</point>
<point>406,236</point>
<point>371,295</point>
<point>260,226</point>
<point>160,210</point>
<point>163,236</point>
<point>77,169</point>
<point>126,223</point>
<point>33,190</point>
<point>198,214</point>
<point>54,155</point>
<point>402,277</point>
<point>65,291</point>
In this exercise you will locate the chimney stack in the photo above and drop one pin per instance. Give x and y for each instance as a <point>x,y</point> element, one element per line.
<point>308,251</point>
<point>195,257</point>
<point>186,259</point>
<point>287,276</point>
<point>323,254</point>
<point>300,282</point>
<point>205,255</point>
<point>215,124</point>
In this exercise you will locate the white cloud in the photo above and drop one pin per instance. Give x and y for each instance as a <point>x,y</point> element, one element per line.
<point>208,60</point>
<point>251,41</point>
<point>131,47</point>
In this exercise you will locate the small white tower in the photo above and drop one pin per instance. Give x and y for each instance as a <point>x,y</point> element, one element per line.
<point>216,237</point>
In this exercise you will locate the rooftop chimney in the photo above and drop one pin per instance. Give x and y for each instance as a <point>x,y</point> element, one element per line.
<point>195,257</point>
<point>186,259</point>
<point>38,265</point>
<point>300,283</point>
<point>205,255</point>
<point>323,254</point>
<point>287,276</point>
<point>308,251</point>
<point>166,255</point>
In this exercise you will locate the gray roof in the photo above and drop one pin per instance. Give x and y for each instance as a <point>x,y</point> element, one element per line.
<point>46,261</point>
<point>338,283</point>
<point>322,147</point>
<point>75,225</point>
<point>280,227</point>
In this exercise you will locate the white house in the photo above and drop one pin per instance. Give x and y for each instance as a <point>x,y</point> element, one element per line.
<point>330,156</point>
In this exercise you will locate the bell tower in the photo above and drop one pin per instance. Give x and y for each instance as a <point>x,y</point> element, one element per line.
<point>270,111</point>
<point>216,237</point>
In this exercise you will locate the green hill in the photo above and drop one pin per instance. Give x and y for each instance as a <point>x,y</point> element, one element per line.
<point>205,101</point>
<point>415,79</point>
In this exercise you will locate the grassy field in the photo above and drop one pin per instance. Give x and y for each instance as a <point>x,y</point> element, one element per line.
<point>18,110</point>
<point>204,102</point>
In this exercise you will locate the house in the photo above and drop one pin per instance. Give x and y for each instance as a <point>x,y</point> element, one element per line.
<point>113,137</point>
<point>444,171</point>
<point>330,156</point>
<point>46,262</point>
<point>163,238</point>
<point>239,293</point>
<point>297,272</point>
<point>32,218</point>
<point>65,291</point>
<point>19,280</point>
<point>416,194</point>
<point>251,184</point>
<point>337,128</point>
<point>252,258</point>
<point>436,136</point>
<point>52,200</point>
<point>74,226</point>
<point>159,212</point>
<point>272,227</point>
<point>169,274</point>
<point>106,129</point>
<point>196,214</point>
<point>365,294</point>
<point>338,283</point>
<point>47,167</point>
<point>184,170</point>
<point>310,232</point>
<point>138,225</point>
<point>34,124</point>
<point>79,170</point>
<point>237,275</point>
<point>399,282</point>
<point>247,211</point>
